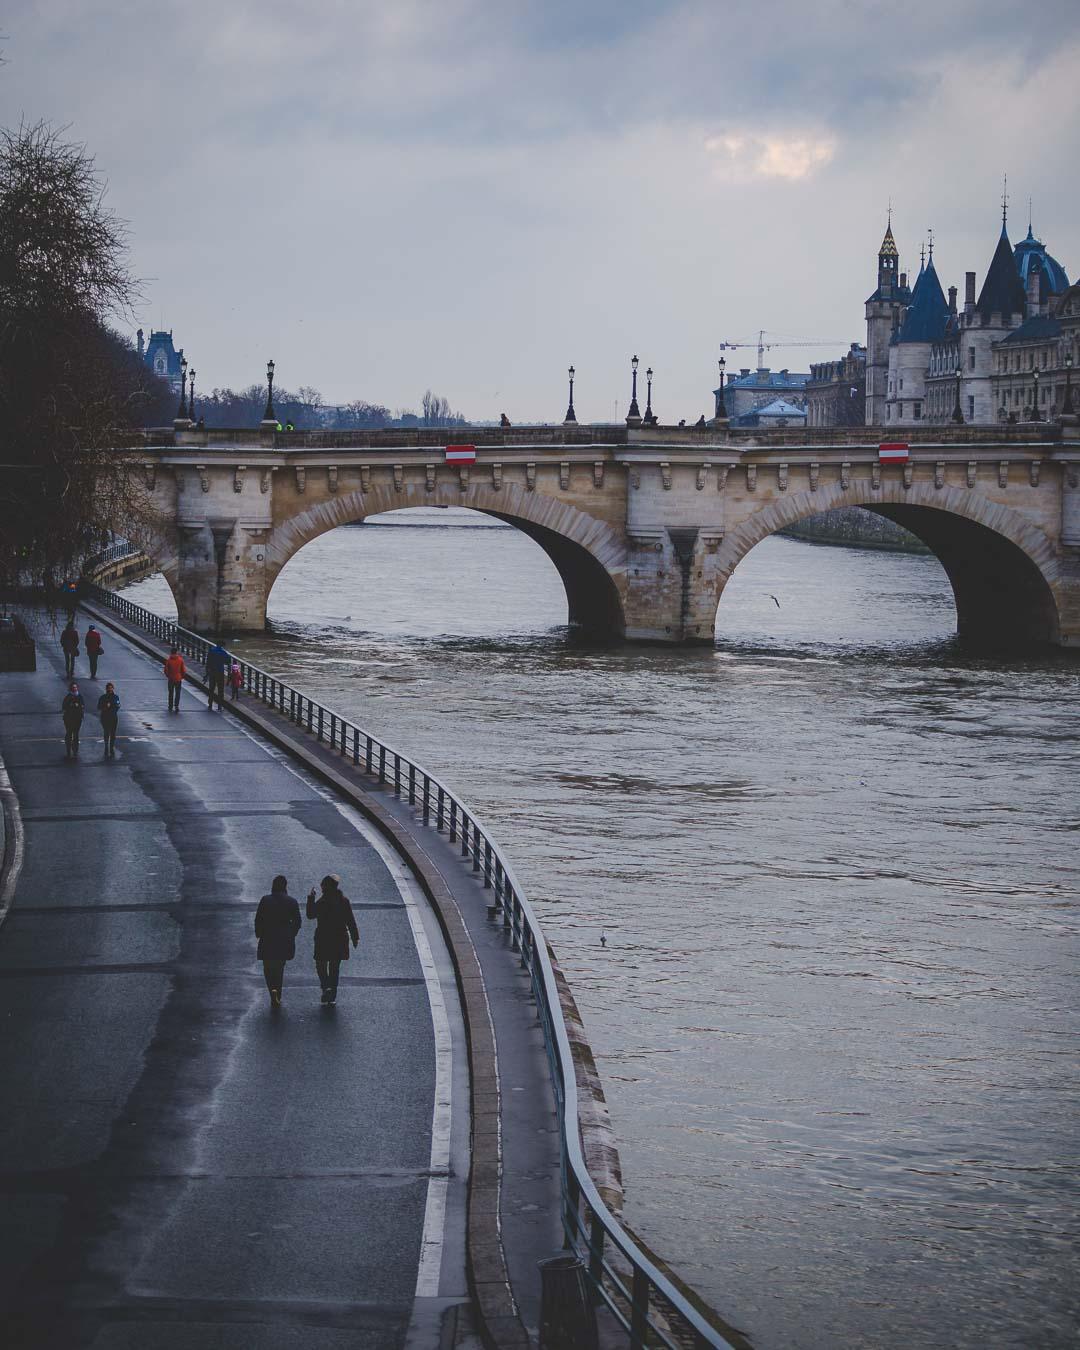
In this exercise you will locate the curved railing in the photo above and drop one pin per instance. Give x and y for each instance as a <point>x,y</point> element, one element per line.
<point>643,1301</point>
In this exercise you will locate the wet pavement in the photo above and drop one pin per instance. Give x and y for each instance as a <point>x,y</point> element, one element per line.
<point>180,1166</point>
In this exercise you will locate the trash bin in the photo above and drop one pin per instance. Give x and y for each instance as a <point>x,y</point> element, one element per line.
<point>567,1317</point>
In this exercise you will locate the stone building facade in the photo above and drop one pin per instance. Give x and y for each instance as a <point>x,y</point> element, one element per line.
<point>161,355</point>
<point>836,391</point>
<point>747,393</point>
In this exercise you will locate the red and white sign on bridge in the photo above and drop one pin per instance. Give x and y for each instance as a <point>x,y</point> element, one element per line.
<point>893,452</point>
<point>461,454</point>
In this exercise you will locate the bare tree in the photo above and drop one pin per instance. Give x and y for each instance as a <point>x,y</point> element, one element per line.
<point>72,393</point>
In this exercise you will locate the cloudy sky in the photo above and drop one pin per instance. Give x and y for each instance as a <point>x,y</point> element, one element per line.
<point>471,195</point>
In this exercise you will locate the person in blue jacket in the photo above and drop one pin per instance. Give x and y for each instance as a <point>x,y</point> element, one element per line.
<point>217,663</point>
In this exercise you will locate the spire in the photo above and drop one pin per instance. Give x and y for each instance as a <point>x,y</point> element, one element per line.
<point>888,247</point>
<point>1005,205</point>
<point>930,235</point>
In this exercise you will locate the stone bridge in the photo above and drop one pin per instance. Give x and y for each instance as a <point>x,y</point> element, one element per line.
<point>645,526</point>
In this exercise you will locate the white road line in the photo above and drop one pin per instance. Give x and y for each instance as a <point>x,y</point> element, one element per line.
<point>431,1243</point>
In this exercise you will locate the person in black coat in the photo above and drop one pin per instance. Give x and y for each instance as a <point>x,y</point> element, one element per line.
<point>73,709</point>
<point>334,925</point>
<point>277,922</point>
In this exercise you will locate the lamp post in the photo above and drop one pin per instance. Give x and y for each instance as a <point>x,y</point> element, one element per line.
<point>181,412</point>
<point>571,416</point>
<point>650,418</point>
<point>957,412</point>
<point>269,415</point>
<point>1035,411</point>
<point>633,417</point>
<point>191,396</point>
<point>1067,406</point>
<point>721,407</point>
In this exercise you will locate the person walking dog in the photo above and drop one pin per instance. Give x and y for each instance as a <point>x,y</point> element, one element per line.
<point>217,663</point>
<point>108,706</point>
<point>92,643</point>
<point>175,670</point>
<point>69,644</point>
<point>334,925</point>
<point>277,922</point>
<point>73,709</point>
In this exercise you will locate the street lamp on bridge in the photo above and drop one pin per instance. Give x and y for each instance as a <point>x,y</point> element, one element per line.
<point>571,416</point>
<point>958,412</point>
<point>633,417</point>
<point>649,420</point>
<point>721,407</point>
<point>269,415</point>
<point>191,396</point>
<point>181,412</point>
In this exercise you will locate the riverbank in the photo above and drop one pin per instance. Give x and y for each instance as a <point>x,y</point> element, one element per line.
<point>854,527</point>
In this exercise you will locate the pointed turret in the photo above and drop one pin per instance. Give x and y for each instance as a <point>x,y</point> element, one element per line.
<point>928,312</point>
<point>1003,291</point>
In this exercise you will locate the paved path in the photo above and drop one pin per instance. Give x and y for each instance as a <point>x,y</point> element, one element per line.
<point>178,1166</point>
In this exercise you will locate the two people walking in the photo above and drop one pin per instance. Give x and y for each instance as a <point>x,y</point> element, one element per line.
<point>69,645</point>
<point>73,710</point>
<point>277,922</point>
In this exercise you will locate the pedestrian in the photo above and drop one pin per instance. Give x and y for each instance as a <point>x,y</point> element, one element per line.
<point>334,925</point>
<point>93,647</point>
<point>69,643</point>
<point>73,709</point>
<point>175,670</point>
<point>217,663</point>
<point>108,706</point>
<point>236,679</point>
<point>71,599</point>
<point>277,922</point>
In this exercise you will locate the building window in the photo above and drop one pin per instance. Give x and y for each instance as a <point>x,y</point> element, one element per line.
<point>971,358</point>
<point>971,407</point>
<point>917,411</point>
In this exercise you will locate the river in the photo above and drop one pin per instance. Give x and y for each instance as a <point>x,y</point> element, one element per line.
<point>835,862</point>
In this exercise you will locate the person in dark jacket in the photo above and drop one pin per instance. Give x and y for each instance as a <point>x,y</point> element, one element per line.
<point>73,709</point>
<point>69,643</point>
<point>108,706</point>
<point>334,925</point>
<point>277,922</point>
<point>92,643</point>
<point>217,663</point>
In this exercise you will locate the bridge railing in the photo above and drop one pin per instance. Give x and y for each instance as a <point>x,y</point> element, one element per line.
<point>641,1298</point>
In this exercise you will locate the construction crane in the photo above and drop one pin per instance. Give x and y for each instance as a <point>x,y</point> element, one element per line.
<point>763,346</point>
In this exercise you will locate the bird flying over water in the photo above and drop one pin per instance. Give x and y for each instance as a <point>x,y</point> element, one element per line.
<point>775,601</point>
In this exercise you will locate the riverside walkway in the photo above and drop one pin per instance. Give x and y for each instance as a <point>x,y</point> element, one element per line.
<point>179,1165</point>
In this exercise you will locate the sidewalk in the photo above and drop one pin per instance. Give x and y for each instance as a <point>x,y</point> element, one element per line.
<point>180,1166</point>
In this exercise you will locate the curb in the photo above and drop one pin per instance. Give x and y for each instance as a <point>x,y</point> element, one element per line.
<point>11,856</point>
<point>499,1322</point>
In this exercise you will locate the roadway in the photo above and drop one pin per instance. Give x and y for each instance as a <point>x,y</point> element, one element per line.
<point>179,1166</point>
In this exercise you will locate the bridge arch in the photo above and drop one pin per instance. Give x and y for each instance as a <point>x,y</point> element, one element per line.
<point>1003,569</point>
<point>588,554</point>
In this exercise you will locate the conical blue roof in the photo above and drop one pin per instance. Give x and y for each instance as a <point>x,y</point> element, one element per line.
<point>1003,291</point>
<point>928,312</point>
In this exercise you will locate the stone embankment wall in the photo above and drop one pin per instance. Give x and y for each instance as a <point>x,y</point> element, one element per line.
<point>856,528</point>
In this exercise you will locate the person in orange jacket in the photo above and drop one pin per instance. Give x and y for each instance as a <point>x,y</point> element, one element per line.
<point>174,672</point>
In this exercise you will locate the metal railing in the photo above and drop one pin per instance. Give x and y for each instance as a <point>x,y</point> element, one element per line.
<point>642,1300</point>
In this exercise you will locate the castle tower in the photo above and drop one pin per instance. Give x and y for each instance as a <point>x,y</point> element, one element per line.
<point>882,318</point>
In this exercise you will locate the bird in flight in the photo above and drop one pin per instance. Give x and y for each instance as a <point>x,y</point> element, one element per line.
<point>775,601</point>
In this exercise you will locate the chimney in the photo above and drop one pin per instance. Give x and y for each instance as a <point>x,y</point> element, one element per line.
<point>1033,292</point>
<point>952,301</point>
<point>969,292</point>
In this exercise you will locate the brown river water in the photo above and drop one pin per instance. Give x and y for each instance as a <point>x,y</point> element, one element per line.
<point>835,860</point>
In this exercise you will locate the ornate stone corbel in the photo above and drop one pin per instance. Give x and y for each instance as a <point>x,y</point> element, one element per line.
<point>1035,465</point>
<point>530,477</point>
<point>1003,473</point>
<point>815,474</point>
<point>238,477</point>
<point>665,476</point>
<point>702,476</point>
<point>751,477</point>
<point>150,476</point>
<point>971,471</point>
<point>875,476</point>
<point>496,476</point>
<point>265,479</point>
<point>598,473</point>
<point>646,539</point>
<point>845,475</point>
<point>711,539</point>
<point>365,477</point>
<point>939,473</point>
<point>463,478</point>
<point>429,477</point>
<point>635,477</point>
<point>781,477</point>
<point>909,470</point>
<point>721,477</point>
<point>399,477</point>
<point>332,476</point>
<point>564,475</point>
<point>301,479</point>
<point>204,477</point>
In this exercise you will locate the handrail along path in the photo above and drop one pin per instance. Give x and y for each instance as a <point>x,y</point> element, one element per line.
<point>643,1301</point>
